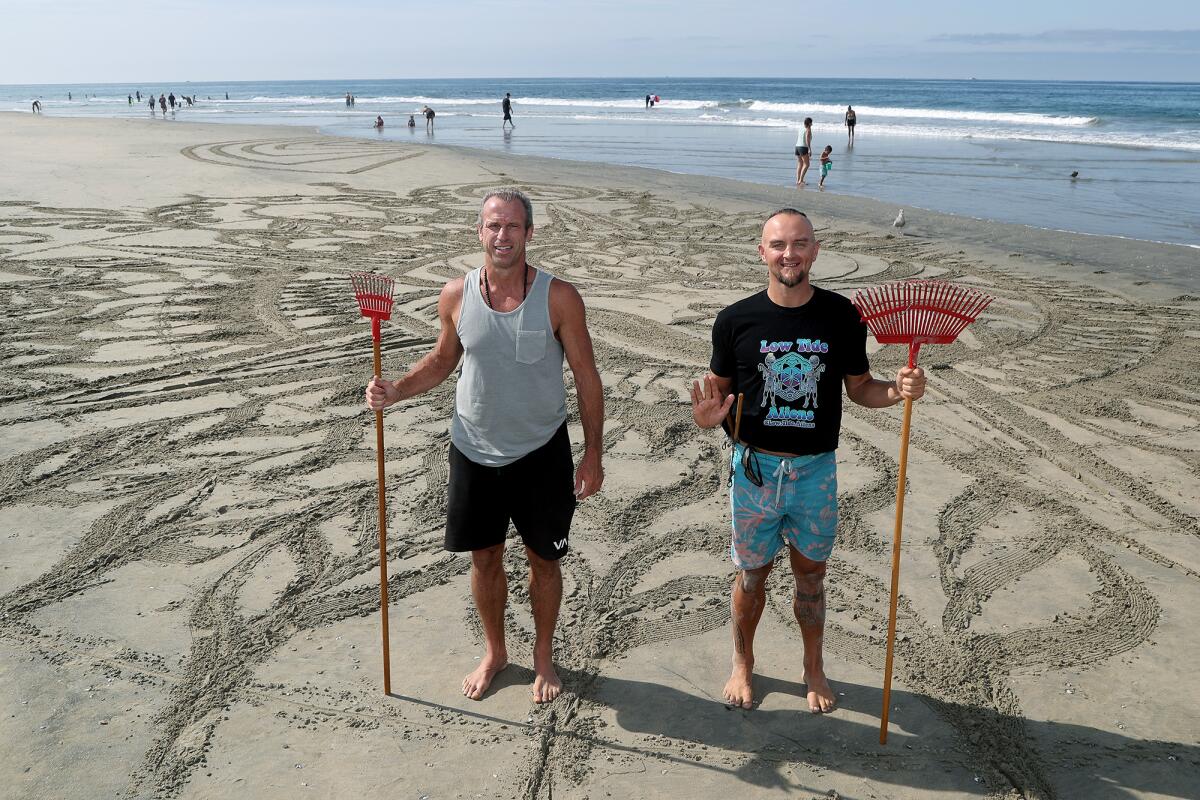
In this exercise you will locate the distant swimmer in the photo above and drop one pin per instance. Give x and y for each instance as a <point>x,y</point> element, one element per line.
<point>412,122</point>
<point>851,119</point>
<point>130,99</point>
<point>826,164</point>
<point>506,106</point>
<point>379,123</point>
<point>139,95</point>
<point>227,95</point>
<point>1074,175</point>
<point>68,95</point>
<point>162,103</point>
<point>171,99</point>
<point>803,151</point>
<point>37,106</point>
<point>647,101</point>
<point>151,105</point>
<point>429,115</point>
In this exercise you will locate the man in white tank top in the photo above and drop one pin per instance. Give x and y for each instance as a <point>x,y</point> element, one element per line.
<point>510,459</point>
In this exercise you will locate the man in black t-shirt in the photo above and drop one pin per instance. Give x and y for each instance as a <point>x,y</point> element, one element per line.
<point>788,349</point>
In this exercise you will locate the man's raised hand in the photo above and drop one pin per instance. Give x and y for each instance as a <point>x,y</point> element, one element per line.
<point>708,407</point>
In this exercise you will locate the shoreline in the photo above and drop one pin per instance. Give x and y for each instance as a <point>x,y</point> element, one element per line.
<point>188,546</point>
<point>1137,265</point>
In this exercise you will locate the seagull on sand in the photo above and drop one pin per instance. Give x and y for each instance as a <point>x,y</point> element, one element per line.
<point>899,223</point>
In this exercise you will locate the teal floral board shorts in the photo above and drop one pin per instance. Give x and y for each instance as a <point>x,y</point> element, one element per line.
<point>795,504</point>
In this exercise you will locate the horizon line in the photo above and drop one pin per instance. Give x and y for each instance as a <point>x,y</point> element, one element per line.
<point>622,78</point>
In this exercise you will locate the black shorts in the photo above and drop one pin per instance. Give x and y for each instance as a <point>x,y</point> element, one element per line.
<point>801,151</point>
<point>536,492</point>
<point>850,123</point>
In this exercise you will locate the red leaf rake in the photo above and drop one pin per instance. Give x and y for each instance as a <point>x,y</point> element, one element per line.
<point>913,312</point>
<point>374,295</point>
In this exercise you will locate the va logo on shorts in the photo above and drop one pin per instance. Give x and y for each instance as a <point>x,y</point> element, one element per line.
<point>560,544</point>
<point>790,377</point>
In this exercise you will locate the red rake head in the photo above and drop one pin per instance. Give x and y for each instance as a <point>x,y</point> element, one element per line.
<point>917,312</point>
<point>374,295</point>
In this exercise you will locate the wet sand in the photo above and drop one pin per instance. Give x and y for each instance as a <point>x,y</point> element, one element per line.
<point>188,562</point>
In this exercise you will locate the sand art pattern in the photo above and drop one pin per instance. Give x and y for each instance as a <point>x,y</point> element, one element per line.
<point>181,406</point>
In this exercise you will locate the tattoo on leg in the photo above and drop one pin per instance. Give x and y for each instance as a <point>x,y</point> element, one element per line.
<point>739,641</point>
<point>809,607</point>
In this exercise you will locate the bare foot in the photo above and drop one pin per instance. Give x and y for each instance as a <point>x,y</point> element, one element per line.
<point>546,684</point>
<point>476,684</point>
<point>738,689</point>
<point>820,695</point>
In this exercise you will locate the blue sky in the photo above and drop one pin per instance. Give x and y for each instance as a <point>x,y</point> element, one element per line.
<point>75,41</point>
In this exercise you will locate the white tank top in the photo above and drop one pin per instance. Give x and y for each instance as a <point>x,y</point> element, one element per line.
<point>510,398</point>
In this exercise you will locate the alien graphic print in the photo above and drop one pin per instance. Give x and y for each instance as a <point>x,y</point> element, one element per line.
<point>789,363</point>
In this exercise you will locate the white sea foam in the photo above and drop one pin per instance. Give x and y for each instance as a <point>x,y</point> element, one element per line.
<point>1189,141</point>
<point>571,102</point>
<point>745,105</point>
<point>1026,134</point>
<point>1016,118</point>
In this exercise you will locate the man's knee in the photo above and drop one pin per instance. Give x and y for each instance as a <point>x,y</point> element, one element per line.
<point>753,580</point>
<point>810,574</point>
<point>488,560</point>
<point>542,567</point>
<point>805,568</point>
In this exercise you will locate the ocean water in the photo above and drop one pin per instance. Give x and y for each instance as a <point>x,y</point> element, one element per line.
<point>988,149</point>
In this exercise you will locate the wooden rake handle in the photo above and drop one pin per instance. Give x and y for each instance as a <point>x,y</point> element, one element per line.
<point>900,484</point>
<point>383,575</point>
<point>891,631</point>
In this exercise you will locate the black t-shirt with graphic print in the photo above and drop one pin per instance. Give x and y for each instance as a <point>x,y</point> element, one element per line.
<point>789,363</point>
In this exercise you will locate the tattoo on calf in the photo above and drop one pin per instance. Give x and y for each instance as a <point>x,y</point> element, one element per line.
<point>739,642</point>
<point>810,606</point>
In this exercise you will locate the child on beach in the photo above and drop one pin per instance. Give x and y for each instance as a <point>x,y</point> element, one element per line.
<point>826,164</point>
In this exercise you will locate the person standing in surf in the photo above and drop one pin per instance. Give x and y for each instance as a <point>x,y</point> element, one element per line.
<point>506,107</point>
<point>803,151</point>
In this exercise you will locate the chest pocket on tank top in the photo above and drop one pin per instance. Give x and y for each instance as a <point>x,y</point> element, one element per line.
<point>531,346</point>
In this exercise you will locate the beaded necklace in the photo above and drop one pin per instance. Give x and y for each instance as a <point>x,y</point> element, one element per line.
<point>487,293</point>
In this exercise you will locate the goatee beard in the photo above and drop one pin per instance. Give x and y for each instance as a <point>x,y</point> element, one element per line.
<point>790,282</point>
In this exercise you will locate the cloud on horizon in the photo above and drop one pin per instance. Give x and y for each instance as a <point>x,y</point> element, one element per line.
<point>1185,41</point>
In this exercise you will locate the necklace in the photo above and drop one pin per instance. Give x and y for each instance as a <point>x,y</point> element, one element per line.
<point>487,293</point>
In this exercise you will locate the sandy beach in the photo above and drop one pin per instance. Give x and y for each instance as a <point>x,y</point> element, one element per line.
<point>188,562</point>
